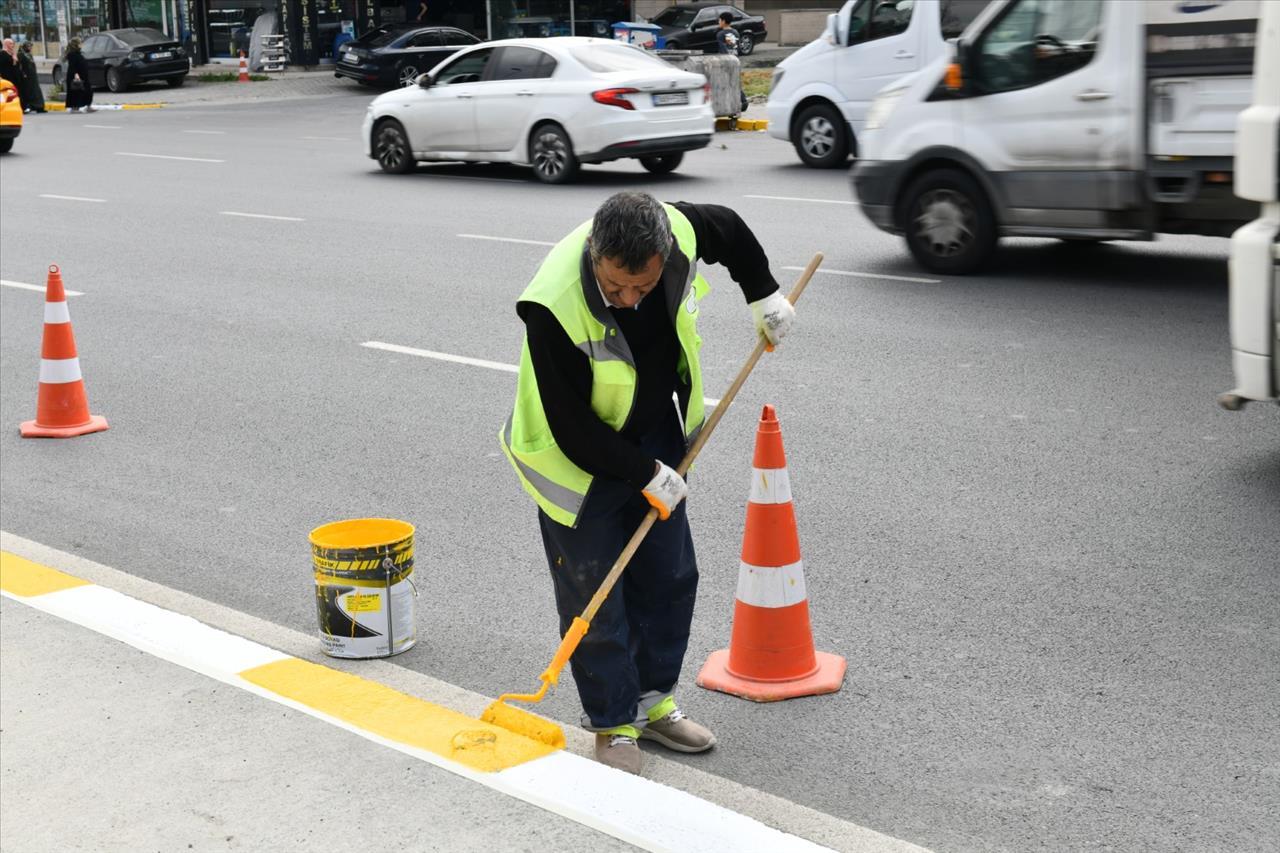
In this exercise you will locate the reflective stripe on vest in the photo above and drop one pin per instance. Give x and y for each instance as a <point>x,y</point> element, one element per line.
<point>557,485</point>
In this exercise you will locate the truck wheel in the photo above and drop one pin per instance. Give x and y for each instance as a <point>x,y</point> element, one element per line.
<point>662,164</point>
<point>948,222</point>
<point>819,137</point>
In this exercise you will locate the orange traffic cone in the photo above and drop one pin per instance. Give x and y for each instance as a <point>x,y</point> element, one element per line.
<point>770,655</point>
<point>244,69</point>
<point>62,409</point>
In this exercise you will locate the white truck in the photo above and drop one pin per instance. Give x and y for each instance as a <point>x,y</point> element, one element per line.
<point>1255,248</point>
<point>1085,120</point>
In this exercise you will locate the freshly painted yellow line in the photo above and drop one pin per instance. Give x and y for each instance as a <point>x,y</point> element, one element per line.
<point>395,716</point>
<point>20,576</point>
<point>359,702</point>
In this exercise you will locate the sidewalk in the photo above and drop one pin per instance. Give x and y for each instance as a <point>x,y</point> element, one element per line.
<point>135,716</point>
<point>107,748</point>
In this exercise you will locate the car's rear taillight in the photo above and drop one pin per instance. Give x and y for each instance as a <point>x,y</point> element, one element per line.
<point>614,97</point>
<point>706,93</point>
<point>10,95</point>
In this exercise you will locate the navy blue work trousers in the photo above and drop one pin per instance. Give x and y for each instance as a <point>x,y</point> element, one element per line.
<point>637,640</point>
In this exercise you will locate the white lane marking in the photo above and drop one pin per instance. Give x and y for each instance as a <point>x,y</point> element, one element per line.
<point>72,198</point>
<point>799,198</point>
<point>208,132</point>
<point>467,360</point>
<point>168,157</point>
<point>562,783</point>
<point>39,288</point>
<point>857,274</point>
<point>442,356</point>
<point>104,126</point>
<point>506,240</point>
<point>261,216</point>
<point>330,138</point>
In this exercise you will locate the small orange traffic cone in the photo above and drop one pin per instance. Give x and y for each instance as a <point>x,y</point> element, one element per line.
<point>771,656</point>
<point>244,69</point>
<point>62,409</point>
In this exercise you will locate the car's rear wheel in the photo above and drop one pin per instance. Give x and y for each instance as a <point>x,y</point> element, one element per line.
<point>551,154</point>
<point>6,145</point>
<point>391,148</point>
<point>662,164</point>
<point>408,75</point>
<point>115,80</point>
<point>819,137</point>
<point>175,82</point>
<point>57,75</point>
<point>746,44</point>
<point>948,222</point>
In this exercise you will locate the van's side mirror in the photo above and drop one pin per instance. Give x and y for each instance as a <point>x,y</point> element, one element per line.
<point>832,32</point>
<point>424,81</point>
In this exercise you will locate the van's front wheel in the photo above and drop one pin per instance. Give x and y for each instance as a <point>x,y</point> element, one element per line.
<point>948,222</point>
<point>820,138</point>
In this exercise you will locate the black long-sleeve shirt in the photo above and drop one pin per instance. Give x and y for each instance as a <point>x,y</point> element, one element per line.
<point>564,372</point>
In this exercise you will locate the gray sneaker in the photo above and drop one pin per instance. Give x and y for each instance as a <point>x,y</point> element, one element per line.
<point>678,732</point>
<point>619,751</point>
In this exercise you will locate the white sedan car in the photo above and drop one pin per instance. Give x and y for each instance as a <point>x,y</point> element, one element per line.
<point>553,103</point>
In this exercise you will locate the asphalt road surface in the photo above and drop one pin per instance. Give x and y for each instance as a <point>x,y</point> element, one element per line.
<point>1050,561</point>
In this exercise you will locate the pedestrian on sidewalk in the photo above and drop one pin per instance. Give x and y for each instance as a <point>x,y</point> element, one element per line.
<point>79,91</point>
<point>9,68</point>
<point>727,45</point>
<point>594,436</point>
<point>29,89</point>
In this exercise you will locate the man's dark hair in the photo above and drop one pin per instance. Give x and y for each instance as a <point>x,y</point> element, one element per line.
<point>629,229</point>
<point>726,18</point>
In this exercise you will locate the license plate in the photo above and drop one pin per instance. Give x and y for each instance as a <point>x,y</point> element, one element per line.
<point>350,57</point>
<point>164,54</point>
<point>670,99</point>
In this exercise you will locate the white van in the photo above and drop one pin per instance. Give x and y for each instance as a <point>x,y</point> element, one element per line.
<point>1085,120</point>
<point>820,94</point>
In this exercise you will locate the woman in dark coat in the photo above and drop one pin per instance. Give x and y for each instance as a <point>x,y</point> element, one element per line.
<point>9,69</point>
<point>79,93</point>
<point>29,89</point>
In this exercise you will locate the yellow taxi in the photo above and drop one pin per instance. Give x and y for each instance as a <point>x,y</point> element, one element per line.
<point>10,115</point>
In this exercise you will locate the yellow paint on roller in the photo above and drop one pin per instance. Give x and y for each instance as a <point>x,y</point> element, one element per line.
<point>20,576</point>
<point>388,713</point>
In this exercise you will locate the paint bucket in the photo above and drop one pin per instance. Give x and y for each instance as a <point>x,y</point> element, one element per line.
<point>364,595</point>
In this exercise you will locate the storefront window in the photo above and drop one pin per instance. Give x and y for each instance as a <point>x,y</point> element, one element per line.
<point>335,24</point>
<point>545,18</point>
<point>231,25</point>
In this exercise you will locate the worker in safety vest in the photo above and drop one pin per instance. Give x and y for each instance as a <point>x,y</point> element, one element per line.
<point>610,336</point>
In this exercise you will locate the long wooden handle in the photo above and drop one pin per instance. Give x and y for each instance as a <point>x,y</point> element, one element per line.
<point>705,433</point>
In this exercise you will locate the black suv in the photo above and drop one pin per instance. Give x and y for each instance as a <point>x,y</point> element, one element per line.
<point>395,54</point>
<point>692,26</point>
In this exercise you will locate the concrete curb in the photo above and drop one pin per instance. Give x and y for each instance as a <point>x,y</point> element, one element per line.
<point>724,123</point>
<point>56,107</point>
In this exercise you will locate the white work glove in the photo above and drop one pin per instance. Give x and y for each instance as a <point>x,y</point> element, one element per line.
<point>774,316</point>
<point>665,490</point>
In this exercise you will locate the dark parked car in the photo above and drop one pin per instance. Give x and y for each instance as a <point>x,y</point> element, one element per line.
<point>119,58</point>
<point>395,54</point>
<point>692,26</point>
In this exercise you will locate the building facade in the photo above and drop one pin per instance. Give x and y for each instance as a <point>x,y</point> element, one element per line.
<point>217,30</point>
